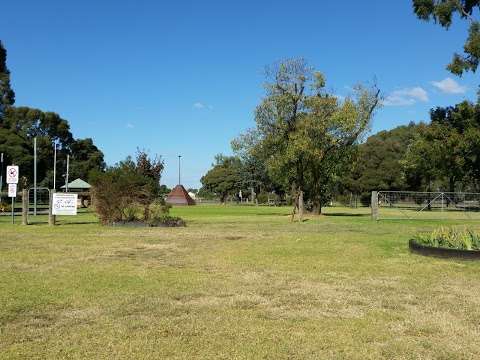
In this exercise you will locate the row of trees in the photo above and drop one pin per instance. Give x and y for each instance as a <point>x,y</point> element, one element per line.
<point>18,127</point>
<point>443,155</point>
<point>308,145</point>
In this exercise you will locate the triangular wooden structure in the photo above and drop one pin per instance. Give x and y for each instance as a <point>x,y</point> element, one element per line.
<point>179,196</point>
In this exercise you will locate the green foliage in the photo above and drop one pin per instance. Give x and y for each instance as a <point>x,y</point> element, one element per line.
<point>7,96</point>
<point>159,208</point>
<point>377,162</point>
<point>304,134</point>
<point>122,188</point>
<point>450,238</point>
<point>5,205</point>
<point>18,127</point>
<point>445,154</point>
<point>224,178</point>
<point>16,150</point>
<point>442,12</point>
<point>85,158</point>
<point>166,220</point>
<point>163,191</point>
<point>132,212</point>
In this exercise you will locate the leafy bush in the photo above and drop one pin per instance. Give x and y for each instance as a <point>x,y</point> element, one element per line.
<point>450,238</point>
<point>121,189</point>
<point>159,208</point>
<point>166,220</point>
<point>133,212</point>
<point>5,207</point>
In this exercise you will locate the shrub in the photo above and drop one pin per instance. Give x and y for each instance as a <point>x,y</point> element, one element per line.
<point>125,186</point>
<point>262,197</point>
<point>5,207</point>
<point>159,208</point>
<point>133,212</point>
<point>450,238</point>
<point>166,220</point>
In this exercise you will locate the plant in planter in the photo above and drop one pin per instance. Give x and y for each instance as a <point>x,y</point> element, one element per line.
<point>450,238</point>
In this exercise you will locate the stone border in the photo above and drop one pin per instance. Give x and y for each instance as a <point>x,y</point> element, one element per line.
<point>443,252</point>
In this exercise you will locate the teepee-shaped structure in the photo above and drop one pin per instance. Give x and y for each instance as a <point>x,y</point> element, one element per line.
<point>178,195</point>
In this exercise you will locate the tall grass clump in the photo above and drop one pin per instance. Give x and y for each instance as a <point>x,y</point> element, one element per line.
<point>450,238</point>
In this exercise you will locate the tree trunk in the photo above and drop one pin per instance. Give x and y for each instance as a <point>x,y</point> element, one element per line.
<point>429,199</point>
<point>317,208</point>
<point>301,206</point>
<point>451,184</point>
<point>295,206</point>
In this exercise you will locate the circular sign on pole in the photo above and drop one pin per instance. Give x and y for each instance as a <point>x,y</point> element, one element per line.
<point>12,174</point>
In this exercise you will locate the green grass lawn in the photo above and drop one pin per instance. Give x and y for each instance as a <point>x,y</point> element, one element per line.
<point>237,282</point>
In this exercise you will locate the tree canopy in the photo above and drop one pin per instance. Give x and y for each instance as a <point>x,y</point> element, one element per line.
<point>443,12</point>
<point>304,133</point>
<point>20,125</point>
<point>224,178</point>
<point>7,95</point>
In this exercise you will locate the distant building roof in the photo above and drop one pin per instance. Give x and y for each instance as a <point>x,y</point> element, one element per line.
<point>78,184</point>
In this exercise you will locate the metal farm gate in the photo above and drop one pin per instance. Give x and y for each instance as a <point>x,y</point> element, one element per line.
<point>425,205</point>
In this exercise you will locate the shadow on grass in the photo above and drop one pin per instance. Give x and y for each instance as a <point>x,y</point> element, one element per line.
<point>61,223</point>
<point>345,214</point>
<point>272,214</point>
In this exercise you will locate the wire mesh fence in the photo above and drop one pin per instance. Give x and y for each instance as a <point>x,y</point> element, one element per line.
<point>428,205</point>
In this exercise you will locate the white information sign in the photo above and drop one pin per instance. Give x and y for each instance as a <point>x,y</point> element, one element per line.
<point>64,204</point>
<point>12,190</point>
<point>12,174</point>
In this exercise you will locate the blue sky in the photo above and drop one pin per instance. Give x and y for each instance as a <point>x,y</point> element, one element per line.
<point>184,77</point>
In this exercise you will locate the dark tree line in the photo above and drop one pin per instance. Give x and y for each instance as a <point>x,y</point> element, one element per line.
<point>20,125</point>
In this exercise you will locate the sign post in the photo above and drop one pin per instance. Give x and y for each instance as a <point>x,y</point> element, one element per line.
<point>12,181</point>
<point>12,193</point>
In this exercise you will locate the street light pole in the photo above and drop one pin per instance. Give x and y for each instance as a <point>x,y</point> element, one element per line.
<point>66,177</point>
<point>54,164</point>
<point>179,182</point>
<point>35,176</point>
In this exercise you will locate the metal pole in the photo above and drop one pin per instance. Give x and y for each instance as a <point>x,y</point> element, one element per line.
<point>35,176</point>
<point>13,209</point>
<point>1,176</point>
<point>66,177</point>
<point>54,165</point>
<point>179,182</point>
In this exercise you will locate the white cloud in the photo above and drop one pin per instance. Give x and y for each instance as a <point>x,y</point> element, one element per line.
<point>200,105</point>
<point>449,86</point>
<point>406,97</point>
<point>129,126</point>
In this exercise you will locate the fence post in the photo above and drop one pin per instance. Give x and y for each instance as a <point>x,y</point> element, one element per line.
<point>51,217</point>
<point>24,207</point>
<point>374,205</point>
